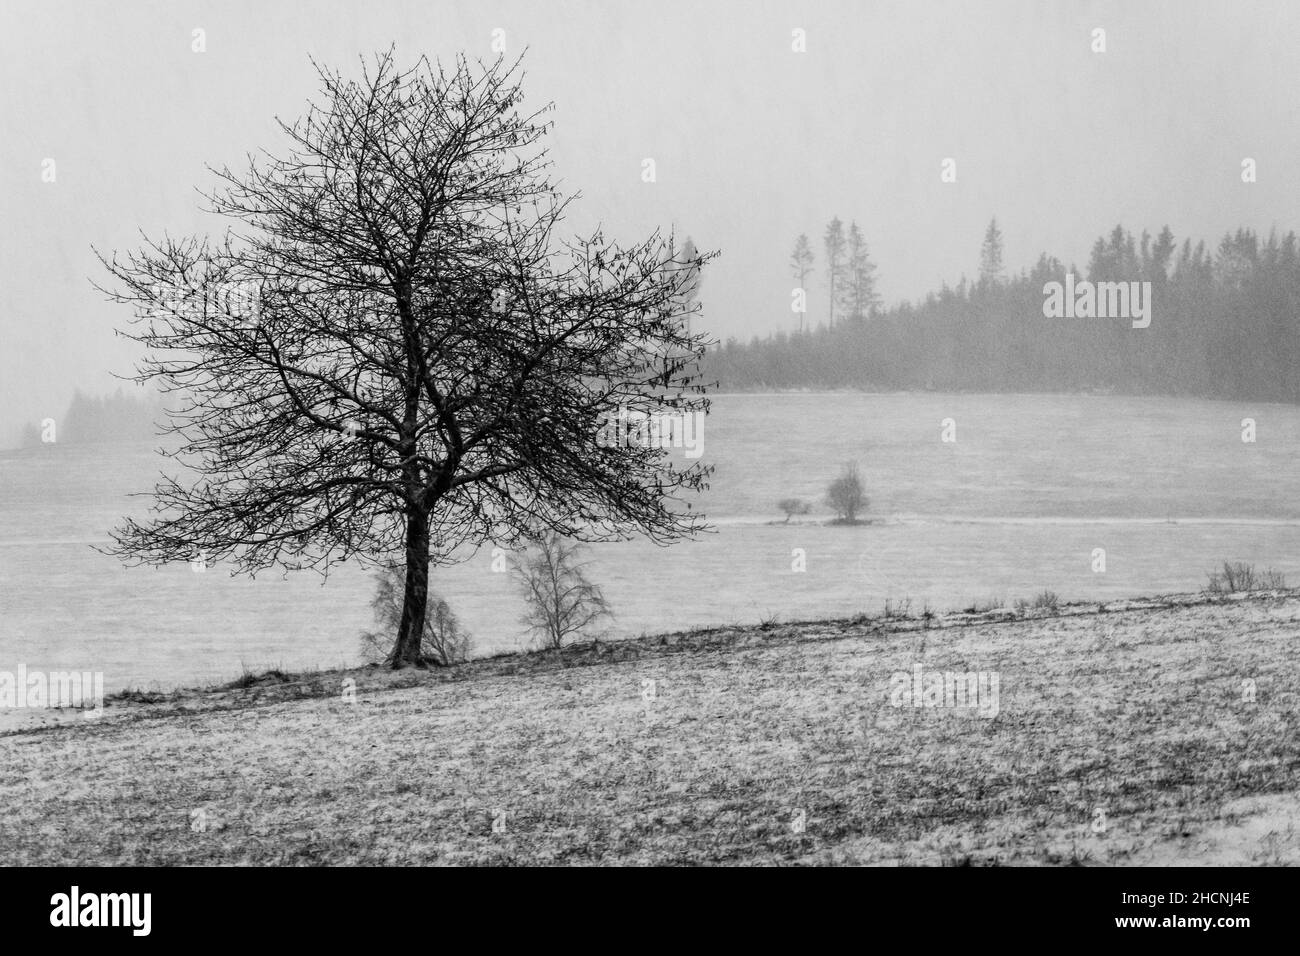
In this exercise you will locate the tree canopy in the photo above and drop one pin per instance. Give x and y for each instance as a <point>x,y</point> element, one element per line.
<point>392,352</point>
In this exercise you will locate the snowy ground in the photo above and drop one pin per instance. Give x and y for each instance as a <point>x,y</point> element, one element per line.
<point>1163,731</point>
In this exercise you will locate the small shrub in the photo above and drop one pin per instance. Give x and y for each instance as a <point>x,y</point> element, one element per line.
<point>793,506</point>
<point>897,611</point>
<point>845,495</point>
<point>1046,601</point>
<point>1238,576</point>
<point>139,696</point>
<point>248,679</point>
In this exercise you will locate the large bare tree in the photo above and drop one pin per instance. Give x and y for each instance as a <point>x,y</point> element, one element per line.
<point>391,353</point>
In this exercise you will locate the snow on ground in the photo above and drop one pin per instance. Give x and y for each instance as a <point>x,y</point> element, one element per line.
<point>1161,731</point>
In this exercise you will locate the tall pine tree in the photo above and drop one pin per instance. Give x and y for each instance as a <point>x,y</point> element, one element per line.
<point>835,247</point>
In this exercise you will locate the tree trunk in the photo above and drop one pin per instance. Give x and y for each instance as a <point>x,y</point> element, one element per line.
<point>415,597</point>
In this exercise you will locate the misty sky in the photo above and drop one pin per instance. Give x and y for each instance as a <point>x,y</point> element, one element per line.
<point>753,143</point>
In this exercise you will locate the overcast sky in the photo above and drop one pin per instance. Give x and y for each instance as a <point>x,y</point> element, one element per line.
<point>753,142</point>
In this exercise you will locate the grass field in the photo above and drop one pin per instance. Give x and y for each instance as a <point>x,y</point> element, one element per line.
<point>1144,732</point>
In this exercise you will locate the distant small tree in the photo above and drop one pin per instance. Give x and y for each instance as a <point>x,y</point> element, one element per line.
<point>845,495</point>
<point>1162,255</point>
<point>801,260</point>
<point>560,601</point>
<point>444,642</point>
<point>793,506</point>
<point>858,291</point>
<point>833,239</point>
<point>991,255</point>
<point>801,264</point>
<point>687,258</point>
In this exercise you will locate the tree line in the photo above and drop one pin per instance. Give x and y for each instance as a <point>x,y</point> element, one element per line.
<point>108,418</point>
<point>1225,324</point>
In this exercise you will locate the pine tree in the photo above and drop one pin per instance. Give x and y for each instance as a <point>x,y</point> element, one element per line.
<point>688,256</point>
<point>801,264</point>
<point>1162,255</point>
<point>991,255</point>
<point>834,242</point>
<point>858,292</point>
<point>801,260</point>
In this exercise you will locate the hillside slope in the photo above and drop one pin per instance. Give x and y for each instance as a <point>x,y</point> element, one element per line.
<point>1122,735</point>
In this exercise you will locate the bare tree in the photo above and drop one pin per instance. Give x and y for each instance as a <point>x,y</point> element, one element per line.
<point>444,642</point>
<point>845,495</point>
<point>793,506</point>
<point>415,360</point>
<point>560,601</point>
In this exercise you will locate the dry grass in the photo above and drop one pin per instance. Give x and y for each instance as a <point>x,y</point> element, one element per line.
<point>1140,712</point>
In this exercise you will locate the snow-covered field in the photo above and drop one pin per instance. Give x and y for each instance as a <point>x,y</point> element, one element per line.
<point>1018,503</point>
<point>1158,731</point>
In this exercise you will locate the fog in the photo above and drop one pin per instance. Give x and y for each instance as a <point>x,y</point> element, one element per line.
<point>753,142</point>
